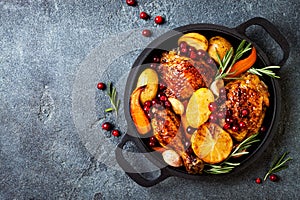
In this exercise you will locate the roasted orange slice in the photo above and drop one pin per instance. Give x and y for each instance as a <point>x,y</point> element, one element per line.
<point>197,111</point>
<point>211,143</point>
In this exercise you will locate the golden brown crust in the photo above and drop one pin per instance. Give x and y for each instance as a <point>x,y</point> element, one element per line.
<point>251,94</point>
<point>183,76</point>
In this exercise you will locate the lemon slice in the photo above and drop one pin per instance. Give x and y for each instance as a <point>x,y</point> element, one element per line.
<point>211,143</point>
<point>197,111</point>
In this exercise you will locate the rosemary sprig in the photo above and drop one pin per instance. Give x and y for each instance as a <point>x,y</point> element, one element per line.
<point>265,70</point>
<point>229,59</point>
<point>226,166</point>
<point>113,96</point>
<point>278,165</point>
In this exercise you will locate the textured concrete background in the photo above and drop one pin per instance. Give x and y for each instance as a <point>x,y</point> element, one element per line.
<point>47,49</point>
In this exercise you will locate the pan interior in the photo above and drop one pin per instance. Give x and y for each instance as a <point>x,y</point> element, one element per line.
<point>168,42</point>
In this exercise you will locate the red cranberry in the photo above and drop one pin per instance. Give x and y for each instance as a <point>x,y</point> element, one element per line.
<point>115,133</point>
<point>201,53</point>
<point>193,55</point>
<point>156,59</point>
<point>183,45</point>
<point>245,112</point>
<point>155,101</point>
<point>228,113</point>
<point>101,86</point>
<point>149,115</point>
<point>213,118</point>
<point>107,126</point>
<point>263,129</point>
<point>183,51</point>
<point>226,126</point>
<point>146,33</point>
<point>163,98</point>
<point>209,61</point>
<point>168,104</point>
<point>190,130</point>
<point>147,104</point>
<point>190,49</point>
<point>153,139</point>
<point>153,65</point>
<point>229,120</point>
<point>162,87</point>
<point>212,106</point>
<point>187,144</point>
<point>273,177</point>
<point>221,115</point>
<point>258,180</point>
<point>189,151</point>
<point>144,15</point>
<point>235,128</point>
<point>131,2</point>
<point>146,109</point>
<point>159,19</point>
<point>242,124</point>
<point>222,91</point>
<point>152,144</point>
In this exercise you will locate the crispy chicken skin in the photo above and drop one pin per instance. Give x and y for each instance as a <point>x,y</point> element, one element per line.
<point>169,133</point>
<point>251,94</point>
<point>183,76</point>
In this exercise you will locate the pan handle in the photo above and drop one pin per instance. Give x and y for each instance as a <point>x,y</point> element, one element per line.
<point>133,173</point>
<point>272,31</point>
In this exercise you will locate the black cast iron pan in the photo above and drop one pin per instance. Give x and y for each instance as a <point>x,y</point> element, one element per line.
<point>168,41</point>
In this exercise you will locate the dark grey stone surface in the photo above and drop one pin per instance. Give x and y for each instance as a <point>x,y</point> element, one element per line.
<point>52,54</point>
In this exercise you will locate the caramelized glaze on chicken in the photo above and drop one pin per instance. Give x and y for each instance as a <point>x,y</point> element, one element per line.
<point>247,100</point>
<point>183,76</point>
<point>168,132</point>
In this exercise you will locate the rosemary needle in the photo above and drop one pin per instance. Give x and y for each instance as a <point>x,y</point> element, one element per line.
<point>278,165</point>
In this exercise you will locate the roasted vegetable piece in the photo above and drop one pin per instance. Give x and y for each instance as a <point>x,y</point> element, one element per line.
<point>172,158</point>
<point>195,40</point>
<point>211,143</point>
<point>138,115</point>
<point>218,45</point>
<point>149,79</point>
<point>177,105</point>
<point>242,66</point>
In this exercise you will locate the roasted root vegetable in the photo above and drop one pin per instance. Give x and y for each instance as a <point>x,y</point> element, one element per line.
<point>177,105</point>
<point>149,79</point>
<point>243,65</point>
<point>218,46</point>
<point>195,40</point>
<point>138,115</point>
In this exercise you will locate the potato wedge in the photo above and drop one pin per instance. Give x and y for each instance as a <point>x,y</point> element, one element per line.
<point>197,111</point>
<point>177,105</point>
<point>218,45</point>
<point>138,115</point>
<point>148,78</point>
<point>211,143</point>
<point>195,40</point>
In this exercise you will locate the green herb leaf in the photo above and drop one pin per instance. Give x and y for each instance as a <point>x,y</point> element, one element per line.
<point>113,96</point>
<point>225,166</point>
<point>265,70</point>
<point>278,165</point>
<point>229,59</point>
